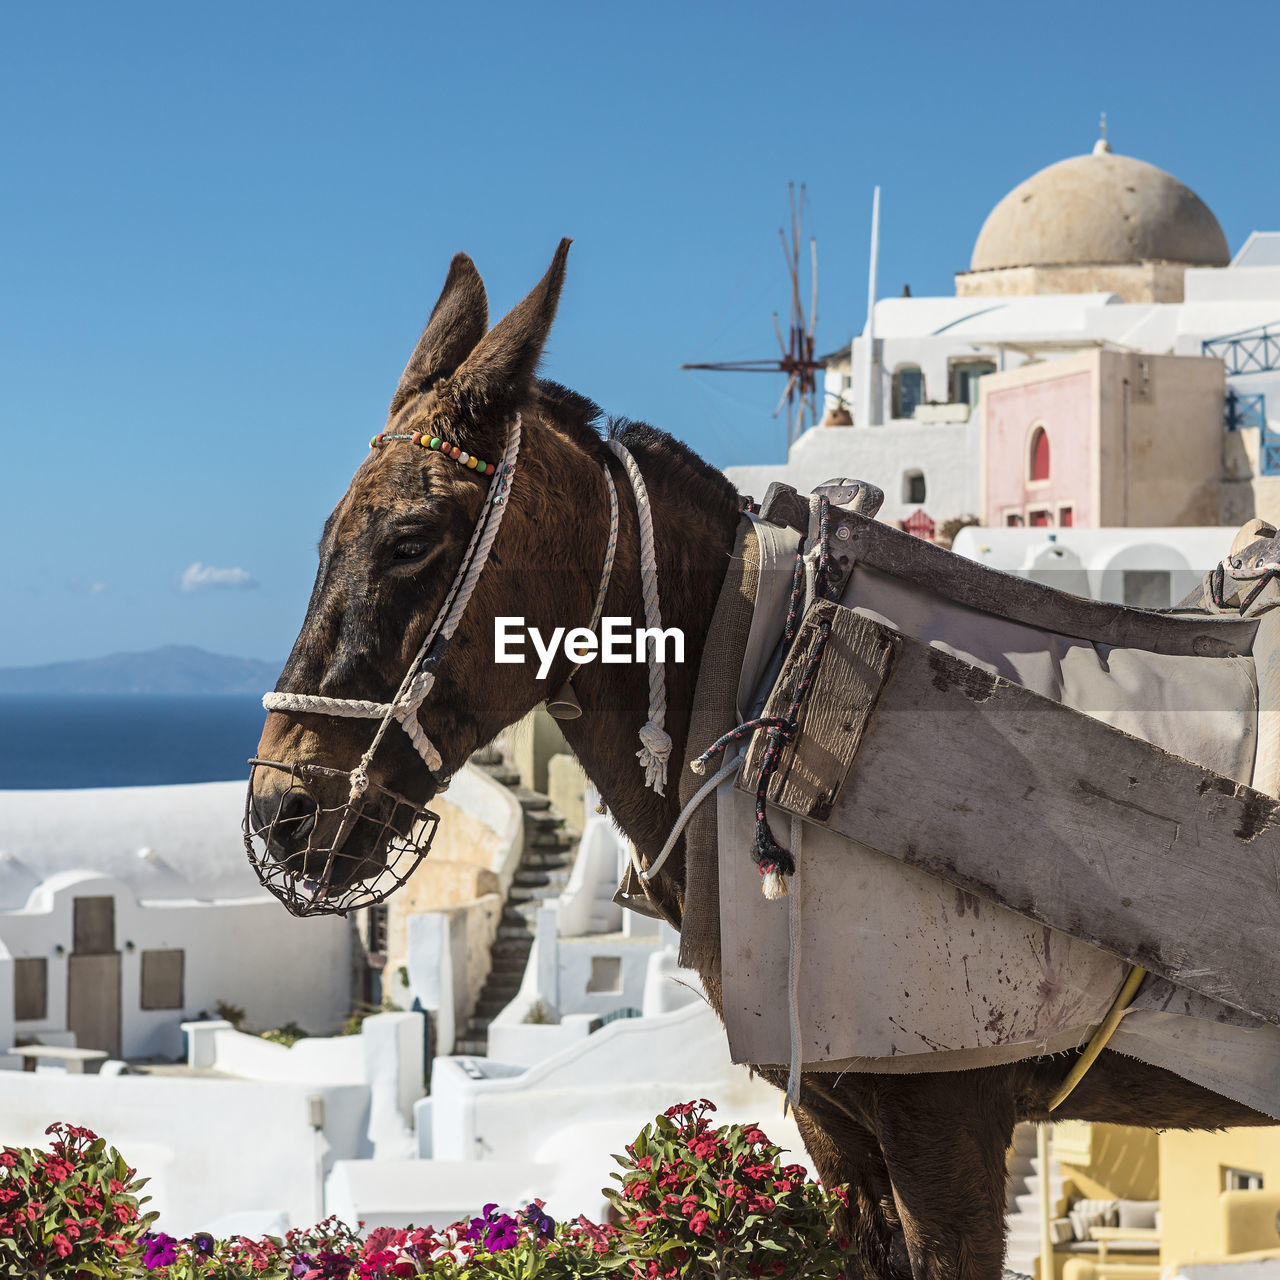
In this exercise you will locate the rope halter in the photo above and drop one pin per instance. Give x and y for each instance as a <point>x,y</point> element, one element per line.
<point>407,836</point>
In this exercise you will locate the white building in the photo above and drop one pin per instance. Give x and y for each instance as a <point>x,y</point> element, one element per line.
<point>1099,251</point>
<point>126,911</point>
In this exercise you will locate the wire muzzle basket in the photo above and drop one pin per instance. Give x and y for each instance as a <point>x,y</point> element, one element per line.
<point>355,854</point>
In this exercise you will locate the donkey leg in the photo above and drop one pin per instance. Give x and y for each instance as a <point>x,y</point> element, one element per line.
<point>847,1154</point>
<point>945,1139</point>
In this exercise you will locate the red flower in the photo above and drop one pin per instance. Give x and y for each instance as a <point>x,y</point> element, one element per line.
<point>699,1222</point>
<point>7,1158</point>
<point>61,1245</point>
<point>123,1213</point>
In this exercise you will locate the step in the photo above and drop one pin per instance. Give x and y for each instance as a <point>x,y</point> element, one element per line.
<point>490,1007</point>
<point>531,801</point>
<point>542,893</point>
<point>550,841</point>
<point>472,1048</point>
<point>531,877</point>
<point>515,933</point>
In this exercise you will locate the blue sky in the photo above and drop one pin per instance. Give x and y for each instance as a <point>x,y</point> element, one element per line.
<point>223,226</point>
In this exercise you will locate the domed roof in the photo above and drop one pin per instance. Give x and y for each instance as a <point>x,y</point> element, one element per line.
<point>1100,209</point>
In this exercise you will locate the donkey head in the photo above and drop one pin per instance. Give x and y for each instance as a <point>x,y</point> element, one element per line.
<point>389,553</point>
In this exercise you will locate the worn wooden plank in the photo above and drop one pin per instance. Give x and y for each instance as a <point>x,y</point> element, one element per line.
<point>1069,822</point>
<point>1019,599</point>
<point>784,506</point>
<point>833,717</point>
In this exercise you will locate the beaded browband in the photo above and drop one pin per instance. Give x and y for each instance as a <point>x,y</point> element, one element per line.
<point>420,438</point>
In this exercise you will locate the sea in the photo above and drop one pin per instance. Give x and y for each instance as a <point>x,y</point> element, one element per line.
<point>125,740</point>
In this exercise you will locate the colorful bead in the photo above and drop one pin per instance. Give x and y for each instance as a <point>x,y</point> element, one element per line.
<point>463,457</point>
<point>435,442</point>
<point>416,437</point>
<point>373,442</point>
<point>488,468</point>
<point>472,462</point>
<point>454,452</point>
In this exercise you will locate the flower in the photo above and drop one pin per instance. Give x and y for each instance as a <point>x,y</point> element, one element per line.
<point>698,1223</point>
<point>201,1244</point>
<point>159,1250</point>
<point>542,1223</point>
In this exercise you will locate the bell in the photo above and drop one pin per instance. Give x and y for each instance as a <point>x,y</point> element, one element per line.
<point>564,705</point>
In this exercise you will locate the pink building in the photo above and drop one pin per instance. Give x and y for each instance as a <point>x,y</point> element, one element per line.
<point>1103,437</point>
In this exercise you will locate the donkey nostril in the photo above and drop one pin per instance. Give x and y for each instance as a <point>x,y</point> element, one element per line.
<point>295,817</point>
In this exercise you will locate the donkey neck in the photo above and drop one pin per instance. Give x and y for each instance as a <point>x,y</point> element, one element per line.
<point>695,514</point>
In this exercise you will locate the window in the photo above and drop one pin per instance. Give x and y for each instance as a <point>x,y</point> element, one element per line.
<point>965,375</point>
<point>908,390</point>
<point>376,922</point>
<point>1039,519</point>
<point>1147,588</point>
<point>913,486</point>
<point>93,928</point>
<point>1038,468</point>
<point>162,979</point>
<point>30,989</point>
<point>1066,517</point>
<point>1013,520</point>
<point>1241,1180</point>
<point>606,975</point>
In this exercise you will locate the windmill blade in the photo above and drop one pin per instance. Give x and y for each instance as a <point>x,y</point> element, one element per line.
<point>782,346</point>
<point>813,294</point>
<point>786,395</point>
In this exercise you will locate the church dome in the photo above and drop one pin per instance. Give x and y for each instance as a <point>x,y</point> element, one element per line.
<point>1100,209</point>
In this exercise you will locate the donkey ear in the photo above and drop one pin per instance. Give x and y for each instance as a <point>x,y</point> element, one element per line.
<point>458,321</point>
<point>496,376</point>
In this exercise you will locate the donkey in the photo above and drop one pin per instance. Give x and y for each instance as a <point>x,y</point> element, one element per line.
<point>923,1156</point>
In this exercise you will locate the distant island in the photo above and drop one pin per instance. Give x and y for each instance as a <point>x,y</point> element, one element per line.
<point>173,669</point>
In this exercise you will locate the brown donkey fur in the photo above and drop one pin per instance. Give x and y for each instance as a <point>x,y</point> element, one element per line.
<point>923,1155</point>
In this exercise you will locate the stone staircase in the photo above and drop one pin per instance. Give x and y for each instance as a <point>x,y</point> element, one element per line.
<point>1022,1204</point>
<point>545,865</point>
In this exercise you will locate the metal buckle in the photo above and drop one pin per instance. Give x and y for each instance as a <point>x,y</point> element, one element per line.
<point>344,882</point>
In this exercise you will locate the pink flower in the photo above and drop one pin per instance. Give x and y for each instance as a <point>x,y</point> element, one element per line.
<point>61,1245</point>
<point>698,1223</point>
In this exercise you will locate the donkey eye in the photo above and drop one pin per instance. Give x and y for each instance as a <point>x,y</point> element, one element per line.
<point>410,549</point>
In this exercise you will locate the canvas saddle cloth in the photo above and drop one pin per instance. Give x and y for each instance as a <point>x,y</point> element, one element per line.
<point>902,972</point>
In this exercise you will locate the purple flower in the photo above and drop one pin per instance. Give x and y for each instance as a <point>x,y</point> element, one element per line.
<point>335,1266</point>
<point>503,1234</point>
<point>159,1251</point>
<point>201,1244</point>
<point>543,1223</point>
<point>301,1264</point>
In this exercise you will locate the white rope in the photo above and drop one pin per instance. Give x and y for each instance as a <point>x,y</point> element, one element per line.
<point>655,748</point>
<point>688,811</point>
<point>417,684</point>
<point>792,1098</point>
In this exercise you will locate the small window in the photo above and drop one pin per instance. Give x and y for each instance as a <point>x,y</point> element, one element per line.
<point>846,381</point>
<point>1039,459</point>
<point>908,390</point>
<point>606,975</point>
<point>1147,588</point>
<point>30,989</point>
<point>1066,517</point>
<point>376,925</point>
<point>93,927</point>
<point>1012,520</point>
<point>965,375</point>
<point>913,486</point>
<point>162,979</point>
<point>1241,1180</point>
<point>1039,519</point>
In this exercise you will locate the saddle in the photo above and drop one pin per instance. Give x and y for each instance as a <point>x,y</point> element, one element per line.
<point>1004,797</point>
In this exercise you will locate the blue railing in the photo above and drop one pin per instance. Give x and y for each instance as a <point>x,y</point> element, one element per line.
<point>1245,411</point>
<point>1249,351</point>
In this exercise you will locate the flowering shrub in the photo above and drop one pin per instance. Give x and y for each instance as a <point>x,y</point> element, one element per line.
<point>695,1203</point>
<point>716,1202</point>
<point>70,1211</point>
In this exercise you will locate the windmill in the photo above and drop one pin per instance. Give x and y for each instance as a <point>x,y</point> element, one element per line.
<point>796,359</point>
